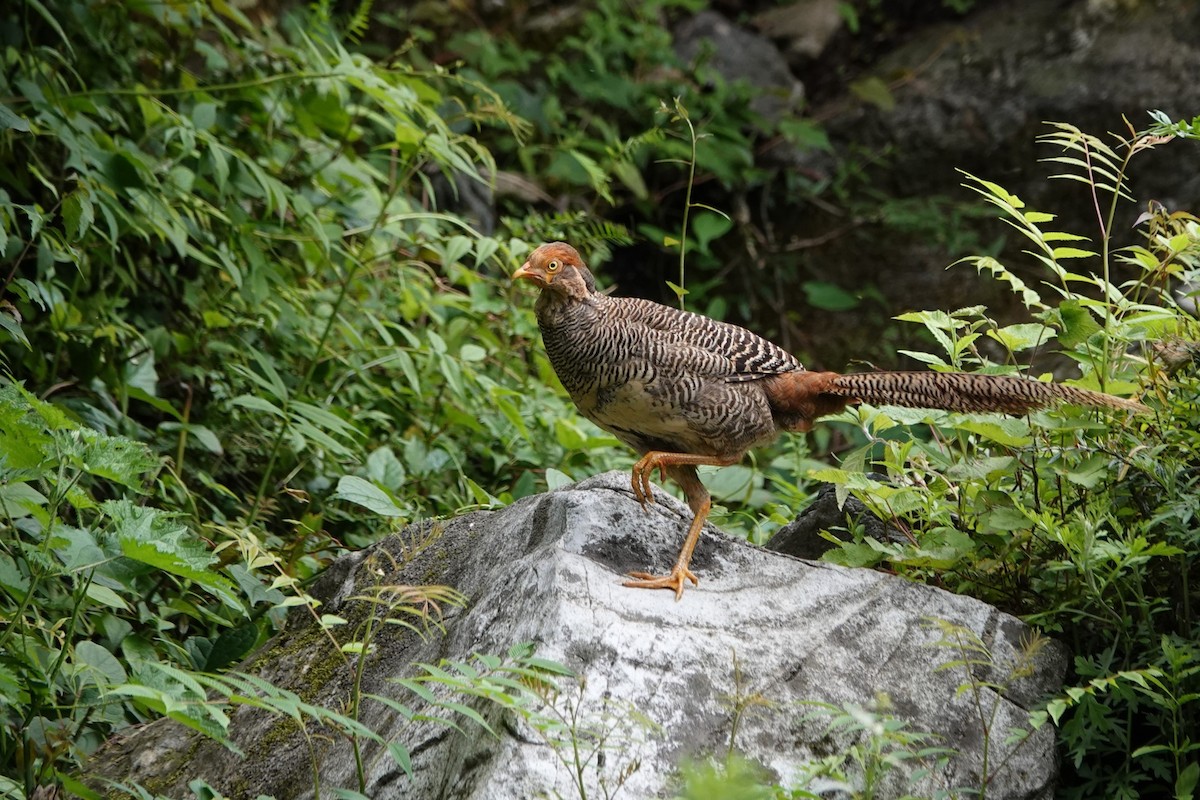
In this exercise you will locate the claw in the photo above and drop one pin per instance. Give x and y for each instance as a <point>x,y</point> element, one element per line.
<point>643,488</point>
<point>674,580</point>
<point>683,470</point>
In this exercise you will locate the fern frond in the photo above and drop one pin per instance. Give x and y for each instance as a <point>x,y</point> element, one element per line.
<point>587,233</point>
<point>1092,162</point>
<point>359,21</point>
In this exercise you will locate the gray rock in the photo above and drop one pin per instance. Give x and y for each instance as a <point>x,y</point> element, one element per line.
<point>737,54</point>
<point>806,26</point>
<point>802,536</point>
<point>762,631</point>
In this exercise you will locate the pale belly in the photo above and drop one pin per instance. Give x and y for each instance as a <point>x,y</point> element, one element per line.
<point>646,421</point>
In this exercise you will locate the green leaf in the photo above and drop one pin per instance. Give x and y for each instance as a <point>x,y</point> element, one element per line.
<point>115,458</point>
<point>1078,324</point>
<point>368,495</point>
<point>401,756</point>
<point>123,172</point>
<point>567,435</point>
<point>874,91</point>
<point>231,646</point>
<point>78,214</point>
<point>1186,782</point>
<point>472,353</point>
<point>1022,336</point>
<point>13,580</point>
<point>1012,432</point>
<point>9,121</point>
<point>257,404</point>
<point>385,469</point>
<point>629,175</point>
<point>204,115</point>
<point>158,539</point>
<point>96,665</point>
<point>679,291</point>
<point>10,322</point>
<point>709,226</point>
<point>556,479</point>
<point>1071,252</point>
<point>805,133</point>
<point>829,296</point>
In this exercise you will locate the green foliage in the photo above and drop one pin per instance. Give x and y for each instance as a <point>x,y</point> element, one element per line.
<point>1086,527</point>
<point>79,574</point>
<point>238,335</point>
<point>244,329</point>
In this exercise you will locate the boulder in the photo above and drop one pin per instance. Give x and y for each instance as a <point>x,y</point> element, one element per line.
<point>803,537</point>
<point>735,666</point>
<point>737,54</point>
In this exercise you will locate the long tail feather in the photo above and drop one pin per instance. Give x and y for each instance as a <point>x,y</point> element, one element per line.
<point>798,398</point>
<point>958,391</point>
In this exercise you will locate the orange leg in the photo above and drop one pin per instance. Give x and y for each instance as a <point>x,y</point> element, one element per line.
<point>682,468</point>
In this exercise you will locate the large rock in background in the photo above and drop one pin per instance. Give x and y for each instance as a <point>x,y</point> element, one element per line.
<point>762,630</point>
<point>971,93</point>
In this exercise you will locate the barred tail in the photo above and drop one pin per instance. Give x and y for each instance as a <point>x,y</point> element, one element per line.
<point>800,397</point>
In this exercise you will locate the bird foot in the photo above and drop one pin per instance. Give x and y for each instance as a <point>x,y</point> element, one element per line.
<point>643,489</point>
<point>674,580</point>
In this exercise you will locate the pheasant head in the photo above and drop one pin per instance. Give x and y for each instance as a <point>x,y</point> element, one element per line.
<point>558,269</point>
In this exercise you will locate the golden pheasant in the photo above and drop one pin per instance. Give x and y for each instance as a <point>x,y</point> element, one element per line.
<point>684,390</point>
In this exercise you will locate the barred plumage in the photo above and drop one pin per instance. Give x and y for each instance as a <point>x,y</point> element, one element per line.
<point>685,390</point>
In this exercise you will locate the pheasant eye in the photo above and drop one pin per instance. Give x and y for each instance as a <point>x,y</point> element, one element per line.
<point>552,266</point>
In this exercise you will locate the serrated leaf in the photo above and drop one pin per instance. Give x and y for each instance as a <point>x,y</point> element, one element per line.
<point>114,458</point>
<point>1010,432</point>
<point>78,214</point>
<point>1022,336</point>
<point>158,539</point>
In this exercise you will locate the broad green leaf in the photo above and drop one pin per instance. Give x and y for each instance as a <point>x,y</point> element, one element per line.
<point>13,580</point>
<point>709,226</point>
<point>12,121</point>
<point>556,479</point>
<point>472,353</point>
<point>568,435</point>
<point>257,404</point>
<point>385,469</point>
<point>1078,323</point>
<point>368,495</point>
<point>1022,336</point>
<point>96,665</point>
<point>160,540</point>
<point>231,646</point>
<point>829,296</point>
<point>1010,431</point>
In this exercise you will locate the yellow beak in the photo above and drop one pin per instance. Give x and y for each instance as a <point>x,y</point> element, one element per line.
<point>526,272</point>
